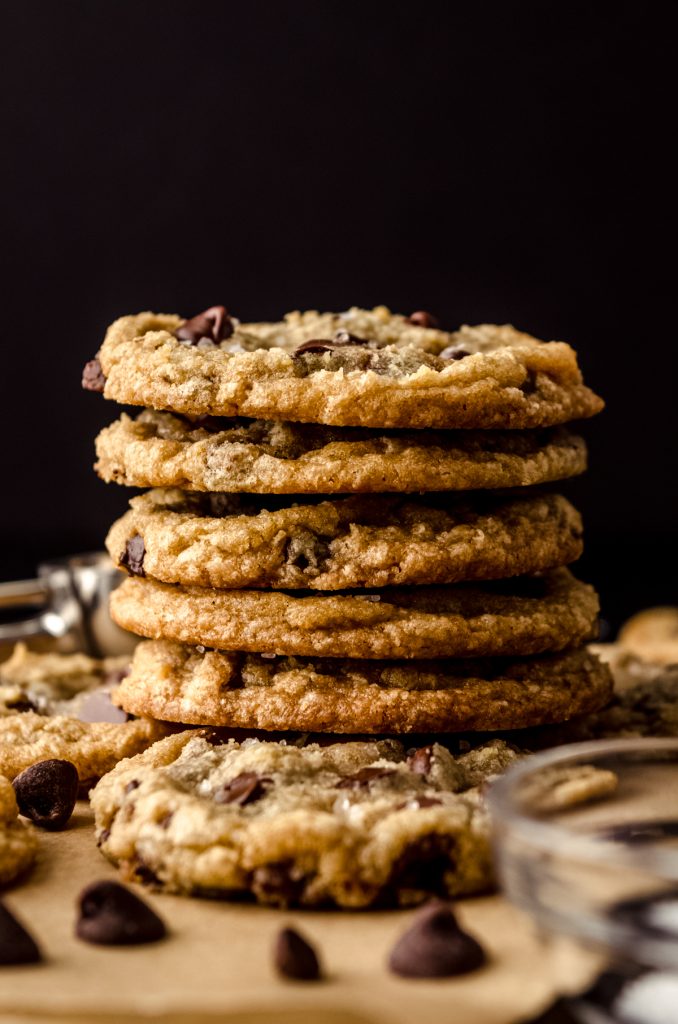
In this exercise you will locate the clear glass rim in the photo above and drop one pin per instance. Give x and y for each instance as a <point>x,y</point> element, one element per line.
<point>548,837</point>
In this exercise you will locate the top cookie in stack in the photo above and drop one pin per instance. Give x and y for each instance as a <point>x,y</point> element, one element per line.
<point>475,625</point>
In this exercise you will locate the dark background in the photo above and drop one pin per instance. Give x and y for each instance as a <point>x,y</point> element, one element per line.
<point>486,162</point>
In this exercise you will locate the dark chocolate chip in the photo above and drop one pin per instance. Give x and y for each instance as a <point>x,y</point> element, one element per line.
<point>132,557</point>
<point>166,820</point>
<point>93,376</point>
<point>111,915</point>
<point>24,704</point>
<point>103,836</point>
<point>435,947</point>
<point>454,352</point>
<point>46,793</point>
<point>424,864</point>
<point>420,761</point>
<point>16,945</point>
<point>142,873</point>
<point>132,785</point>
<point>362,778</point>
<point>213,323</point>
<point>243,789</point>
<point>419,801</point>
<point>529,385</point>
<point>423,319</point>
<point>280,884</point>
<point>340,340</point>
<point>294,957</point>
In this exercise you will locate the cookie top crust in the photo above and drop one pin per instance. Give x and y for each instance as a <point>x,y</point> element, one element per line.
<point>366,368</point>
<point>18,841</point>
<point>236,541</point>
<point>350,824</point>
<point>159,449</point>
<point>178,683</point>
<point>521,616</point>
<point>58,706</point>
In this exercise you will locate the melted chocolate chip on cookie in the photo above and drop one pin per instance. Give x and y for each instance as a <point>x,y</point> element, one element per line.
<point>243,789</point>
<point>362,779</point>
<point>132,557</point>
<point>213,324</point>
<point>423,319</point>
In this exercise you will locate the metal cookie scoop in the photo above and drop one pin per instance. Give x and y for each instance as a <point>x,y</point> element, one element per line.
<point>71,598</point>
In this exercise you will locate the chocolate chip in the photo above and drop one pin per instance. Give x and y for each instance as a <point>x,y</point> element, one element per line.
<point>435,947</point>
<point>166,820</point>
<point>420,761</point>
<point>243,789</point>
<point>16,945</point>
<point>294,957</point>
<point>111,915</point>
<point>454,352</point>
<point>132,785</point>
<point>142,873</point>
<point>93,376</point>
<point>103,836</point>
<point>341,340</point>
<point>24,704</point>
<point>419,802</point>
<point>423,319</point>
<point>132,557</point>
<point>423,865</point>
<point>46,793</point>
<point>362,778</point>
<point>280,884</point>
<point>214,324</point>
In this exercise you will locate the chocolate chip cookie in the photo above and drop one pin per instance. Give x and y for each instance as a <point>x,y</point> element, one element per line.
<point>178,683</point>
<point>233,541</point>
<point>348,824</point>
<point>526,615</point>
<point>58,706</point>
<point>359,368</point>
<point>158,449</point>
<point>18,842</point>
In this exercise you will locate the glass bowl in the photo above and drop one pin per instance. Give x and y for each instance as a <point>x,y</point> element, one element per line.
<point>586,841</point>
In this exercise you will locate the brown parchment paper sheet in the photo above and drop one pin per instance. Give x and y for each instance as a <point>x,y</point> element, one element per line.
<point>216,965</point>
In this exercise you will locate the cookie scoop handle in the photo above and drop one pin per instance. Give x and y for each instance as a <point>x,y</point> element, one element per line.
<point>44,622</point>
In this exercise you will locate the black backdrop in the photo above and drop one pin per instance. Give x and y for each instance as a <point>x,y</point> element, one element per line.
<point>484,161</point>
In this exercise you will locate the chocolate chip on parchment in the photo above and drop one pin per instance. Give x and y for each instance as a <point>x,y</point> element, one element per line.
<point>362,778</point>
<point>243,789</point>
<point>294,957</point>
<point>111,915</point>
<point>213,324</point>
<point>423,319</point>
<point>435,947</point>
<point>93,376</point>
<point>132,557</point>
<point>420,761</point>
<point>16,945</point>
<point>46,793</point>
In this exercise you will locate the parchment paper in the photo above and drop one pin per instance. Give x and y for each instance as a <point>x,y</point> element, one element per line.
<point>216,964</point>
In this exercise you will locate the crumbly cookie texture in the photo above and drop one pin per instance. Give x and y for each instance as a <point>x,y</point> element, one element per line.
<point>652,635</point>
<point>178,683</point>
<point>231,541</point>
<point>390,373</point>
<point>49,705</point>
<point>349,824</point>
<point>50,683</point>
<point>158,449</point>
<point>526,615</point>
<point>18,842</point>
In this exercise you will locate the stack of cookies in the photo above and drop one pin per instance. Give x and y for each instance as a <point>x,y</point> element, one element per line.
<point>374,550</point>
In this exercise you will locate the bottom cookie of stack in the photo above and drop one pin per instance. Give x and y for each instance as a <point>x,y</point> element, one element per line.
<point>176,682</point>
